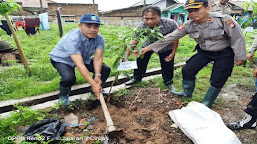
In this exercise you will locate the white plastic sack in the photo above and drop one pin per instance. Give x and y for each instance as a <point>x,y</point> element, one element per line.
<point>202,125</point>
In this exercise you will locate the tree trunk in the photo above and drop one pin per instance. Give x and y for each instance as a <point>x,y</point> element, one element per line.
<point>23,58</point>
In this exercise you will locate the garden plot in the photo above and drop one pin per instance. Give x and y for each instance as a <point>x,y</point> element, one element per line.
<point>142,115</point>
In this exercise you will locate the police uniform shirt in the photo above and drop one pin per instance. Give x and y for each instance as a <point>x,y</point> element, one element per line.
<point>75,42</point>
<point>253,48</point>
<point>219,32</point>
<point>224,9</point>
<point>166,26</point>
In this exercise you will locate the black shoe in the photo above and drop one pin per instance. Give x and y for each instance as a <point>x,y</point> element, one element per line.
<point>132,81</point>
<point>248,122</point>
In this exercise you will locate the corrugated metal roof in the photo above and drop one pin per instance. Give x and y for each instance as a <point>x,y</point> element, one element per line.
<point>239,4</point>
<point>148,2</point>
<point>75,1</point>
<point>173,7</point>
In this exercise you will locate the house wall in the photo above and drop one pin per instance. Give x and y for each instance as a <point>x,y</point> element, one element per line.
<point>176,13</point>
<point>122,17</point>
<point>22,12</point>
<point>118,21</point>
<point>73,10</point>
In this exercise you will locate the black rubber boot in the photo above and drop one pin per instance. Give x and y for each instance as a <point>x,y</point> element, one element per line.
<point>64,95</point>
<point>210,96</point>
<point>188,86</point>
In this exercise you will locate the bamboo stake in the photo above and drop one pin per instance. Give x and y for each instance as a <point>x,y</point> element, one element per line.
<point>23,58</point>
<point>109,95</point>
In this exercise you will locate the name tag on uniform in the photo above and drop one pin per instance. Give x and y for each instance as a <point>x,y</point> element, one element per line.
<point>127,65</point>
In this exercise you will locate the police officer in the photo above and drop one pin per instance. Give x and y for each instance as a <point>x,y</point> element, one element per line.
<point>221,6</point>
<point>151,18</point>
<point>75,50</point>
<point>220,39</point>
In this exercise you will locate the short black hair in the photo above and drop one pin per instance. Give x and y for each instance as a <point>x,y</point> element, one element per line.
<point>153,9</point>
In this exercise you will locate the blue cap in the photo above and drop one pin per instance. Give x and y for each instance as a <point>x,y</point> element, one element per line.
<point>90,18</point>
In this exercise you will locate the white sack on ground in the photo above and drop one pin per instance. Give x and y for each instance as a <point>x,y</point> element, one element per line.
<point>202,125</point>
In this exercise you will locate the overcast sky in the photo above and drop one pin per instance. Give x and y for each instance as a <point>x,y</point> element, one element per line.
<point>104,5</point>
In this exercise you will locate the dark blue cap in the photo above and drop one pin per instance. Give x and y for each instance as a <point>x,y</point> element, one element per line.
<point>90,18</point>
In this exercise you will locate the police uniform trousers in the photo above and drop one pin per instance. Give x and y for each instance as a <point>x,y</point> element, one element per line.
<point>252,107</point>
<point>167,67</point>
<point>222,66</point>
<point>67,72</point>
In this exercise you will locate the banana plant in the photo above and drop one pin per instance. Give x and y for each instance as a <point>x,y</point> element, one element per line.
<point>142,35</point>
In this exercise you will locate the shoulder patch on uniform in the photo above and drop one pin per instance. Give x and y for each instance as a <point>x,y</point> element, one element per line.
<point>181,27</point>
<point>228,21</point>
<point>231,25</point>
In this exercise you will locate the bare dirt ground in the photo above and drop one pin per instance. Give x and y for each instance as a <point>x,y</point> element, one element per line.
<point>143,117</point>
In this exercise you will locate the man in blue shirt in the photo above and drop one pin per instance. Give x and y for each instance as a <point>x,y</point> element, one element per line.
<point>75,50</point>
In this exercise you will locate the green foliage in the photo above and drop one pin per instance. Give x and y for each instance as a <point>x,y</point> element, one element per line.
<point>23,117</point>
<point>144,35</point>
<point>15,84</point>
<point>141,35</point>
<point>121,92</point>
<point>250,20</point>
<point>8,7</point>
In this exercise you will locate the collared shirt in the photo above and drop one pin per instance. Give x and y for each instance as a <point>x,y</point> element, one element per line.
<point>224,9</point>
<point>219,32</point>
<point>166,26</point>
<point>75,42</point>
<point>253,48</point>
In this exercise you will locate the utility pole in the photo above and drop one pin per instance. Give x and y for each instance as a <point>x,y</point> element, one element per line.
<point>144,3</point>
<point>41,6</point>
<point>94,6</point>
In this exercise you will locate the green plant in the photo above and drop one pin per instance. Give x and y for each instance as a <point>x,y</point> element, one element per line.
<point>249,20</point>
<point>96,142</point>
<point>87,123</point>
<point>142,36</point>
<point>24,116</point>
<point>42,139</point>
<point>8,7</point>
<point>9,62</point>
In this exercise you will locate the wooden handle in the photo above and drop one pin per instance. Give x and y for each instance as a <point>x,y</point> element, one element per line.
<point>110,125</point>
